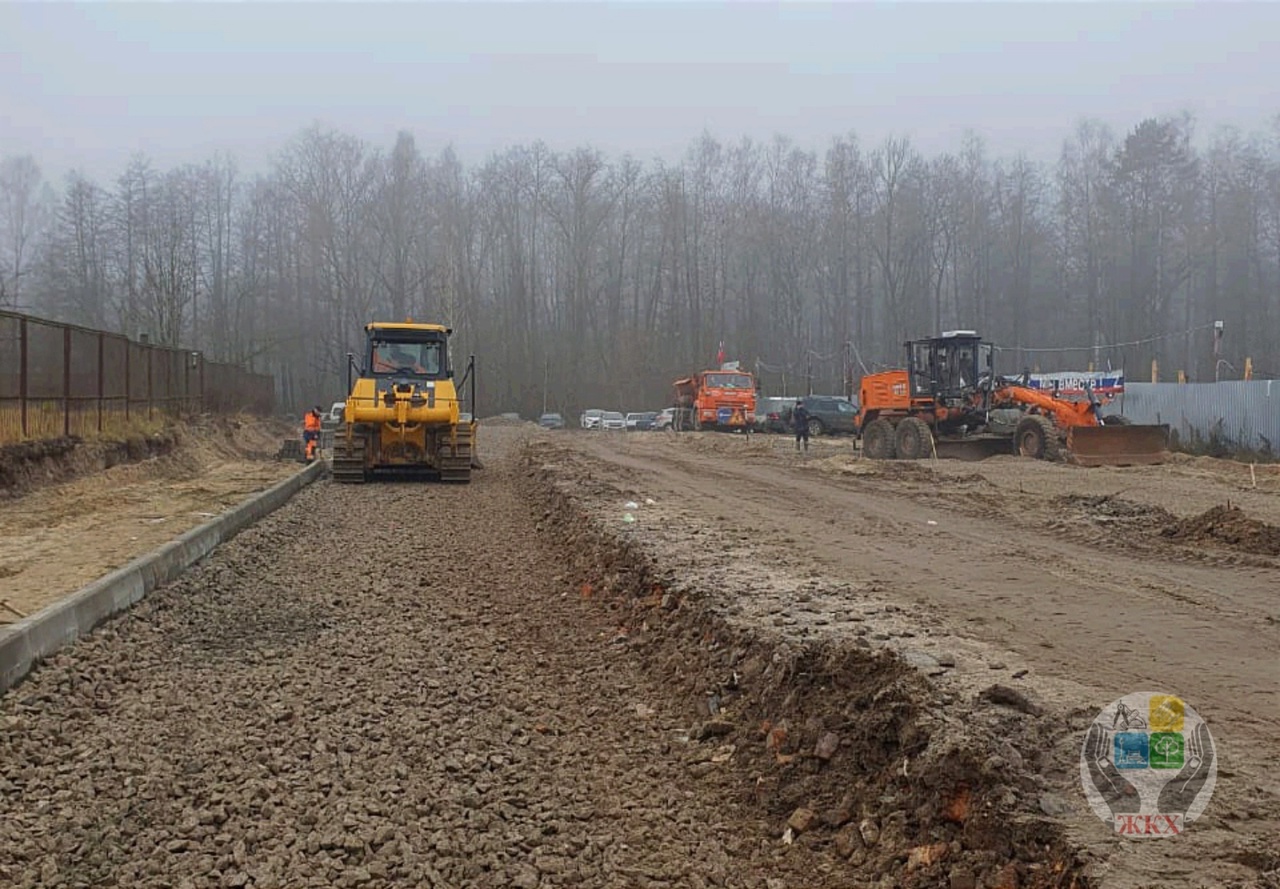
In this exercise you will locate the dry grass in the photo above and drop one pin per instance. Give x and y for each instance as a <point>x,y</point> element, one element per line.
<point>46,420</point>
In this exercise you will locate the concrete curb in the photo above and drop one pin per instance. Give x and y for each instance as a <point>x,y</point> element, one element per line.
<point>25,643</point>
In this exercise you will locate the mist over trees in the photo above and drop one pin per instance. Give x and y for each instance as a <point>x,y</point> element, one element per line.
<point>597,280</point>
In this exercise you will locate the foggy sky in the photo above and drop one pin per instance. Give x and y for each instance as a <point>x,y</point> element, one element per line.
<point>87,85</point>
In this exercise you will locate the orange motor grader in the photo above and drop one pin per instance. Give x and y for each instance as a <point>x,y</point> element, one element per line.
<point>949,402</point>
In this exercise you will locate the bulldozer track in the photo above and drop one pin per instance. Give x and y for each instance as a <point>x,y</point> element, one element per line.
<point>348,459</point>
<point>456,457</point>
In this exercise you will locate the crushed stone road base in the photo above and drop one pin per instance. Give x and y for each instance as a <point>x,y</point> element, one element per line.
<point>386,685</point>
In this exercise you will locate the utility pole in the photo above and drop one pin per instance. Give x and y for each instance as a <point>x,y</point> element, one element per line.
<point>808,373</point>
<point>544,383</point>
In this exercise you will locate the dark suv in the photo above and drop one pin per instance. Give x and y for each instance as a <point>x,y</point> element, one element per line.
<point>774,414</point>
<point>829,415</point>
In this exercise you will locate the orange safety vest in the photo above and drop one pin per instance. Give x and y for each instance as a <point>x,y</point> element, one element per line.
<point>311,423</point>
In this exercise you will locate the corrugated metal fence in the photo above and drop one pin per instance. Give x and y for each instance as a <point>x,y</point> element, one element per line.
<point>1239,413</point>
<point>59,379</point>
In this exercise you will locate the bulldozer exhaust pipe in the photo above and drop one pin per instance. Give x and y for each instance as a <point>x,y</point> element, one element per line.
<point>1118,445</point>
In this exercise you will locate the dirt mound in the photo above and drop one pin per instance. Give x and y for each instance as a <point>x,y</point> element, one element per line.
<point>1103,508</point>
<point>27,466</point>
<point>501,421</point>
<point>1227,526</point>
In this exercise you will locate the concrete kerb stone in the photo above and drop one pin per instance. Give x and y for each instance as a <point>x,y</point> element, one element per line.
<point>25,643</point>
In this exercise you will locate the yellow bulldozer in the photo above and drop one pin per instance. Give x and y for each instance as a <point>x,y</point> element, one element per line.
<point>404,412</point>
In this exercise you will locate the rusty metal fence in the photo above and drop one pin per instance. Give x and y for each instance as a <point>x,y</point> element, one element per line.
<point>60,380</point>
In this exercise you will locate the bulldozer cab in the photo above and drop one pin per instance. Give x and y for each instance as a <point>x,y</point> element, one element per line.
<point>413,352</point>
<point>948,367</point>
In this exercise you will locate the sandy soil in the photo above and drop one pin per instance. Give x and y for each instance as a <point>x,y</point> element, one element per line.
<point>58,538</point>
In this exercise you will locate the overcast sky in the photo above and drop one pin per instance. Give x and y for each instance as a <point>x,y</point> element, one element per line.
<point>87,85</point>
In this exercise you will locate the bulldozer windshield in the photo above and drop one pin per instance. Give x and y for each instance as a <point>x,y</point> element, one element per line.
<point>423,359</point>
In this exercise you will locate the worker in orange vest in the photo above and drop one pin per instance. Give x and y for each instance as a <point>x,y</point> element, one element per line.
<point>311,432</point>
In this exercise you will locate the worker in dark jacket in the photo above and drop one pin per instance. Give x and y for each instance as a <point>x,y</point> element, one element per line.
<point>800,423</point>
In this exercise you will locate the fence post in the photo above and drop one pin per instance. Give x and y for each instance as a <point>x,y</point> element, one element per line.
<point>22,373</point>
<point>102,364</point>
<point>128,386</point>
<point>151,354</point>
<point>66,381</point>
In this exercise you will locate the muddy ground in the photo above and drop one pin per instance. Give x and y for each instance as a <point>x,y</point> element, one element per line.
<point>1073,585</point>
<point>780,672</point>
<point>65,520</point>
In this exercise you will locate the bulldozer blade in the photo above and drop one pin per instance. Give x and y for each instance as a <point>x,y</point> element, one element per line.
<point>1118,445</point>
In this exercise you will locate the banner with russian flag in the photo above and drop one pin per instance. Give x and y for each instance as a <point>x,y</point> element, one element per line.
<point>1072,383</point>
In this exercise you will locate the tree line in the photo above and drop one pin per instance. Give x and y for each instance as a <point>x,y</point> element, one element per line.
<point>583,280</point>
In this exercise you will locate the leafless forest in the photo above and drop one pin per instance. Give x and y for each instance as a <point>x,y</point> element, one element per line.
<point>597,279</point>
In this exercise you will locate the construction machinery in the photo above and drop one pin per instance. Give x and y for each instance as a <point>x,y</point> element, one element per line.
<point>715,399</point>
<point>950,402</point>
<point>403,412</point>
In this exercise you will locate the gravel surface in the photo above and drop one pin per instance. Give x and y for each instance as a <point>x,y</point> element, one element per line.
<point>385,685</point>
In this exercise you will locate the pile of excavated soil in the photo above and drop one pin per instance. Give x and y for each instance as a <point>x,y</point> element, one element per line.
<point>29,466</point>
<point>1227,526</point>
<point>26,466</point>
<point>1105,508</point>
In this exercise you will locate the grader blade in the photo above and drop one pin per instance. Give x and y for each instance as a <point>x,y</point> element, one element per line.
<point>973,448</point>
<point>1118,445</point>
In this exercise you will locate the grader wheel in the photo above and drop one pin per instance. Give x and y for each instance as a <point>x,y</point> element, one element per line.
<point>1037,437</point>
<point>914,439</point>
<point>878,440</point>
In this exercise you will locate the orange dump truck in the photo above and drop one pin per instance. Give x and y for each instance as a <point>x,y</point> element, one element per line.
<point>715,399</point>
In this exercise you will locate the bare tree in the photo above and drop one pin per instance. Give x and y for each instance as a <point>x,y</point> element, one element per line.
<point>23,217</point>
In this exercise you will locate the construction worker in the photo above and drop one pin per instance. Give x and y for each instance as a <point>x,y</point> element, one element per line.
<point>800,423</point>
<point>311,432</point>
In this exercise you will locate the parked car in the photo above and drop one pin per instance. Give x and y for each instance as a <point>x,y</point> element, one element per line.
<point>591,419</point>
<point>829,415</point>
<point>774,414</point>
<point>334,416</point>
<point>613,420</point>
<point>551,421</point>
<point>664,418</point>
<point>641,421</point>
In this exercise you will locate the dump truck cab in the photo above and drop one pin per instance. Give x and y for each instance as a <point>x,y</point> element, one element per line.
<point>722,399</point>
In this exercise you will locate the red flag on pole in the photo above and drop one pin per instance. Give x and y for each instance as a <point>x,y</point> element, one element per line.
<point>720,354</point>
